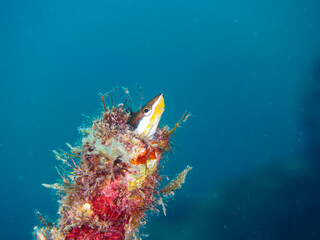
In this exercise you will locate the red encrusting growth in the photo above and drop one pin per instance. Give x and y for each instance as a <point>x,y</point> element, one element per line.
<point>85,232</point>
<point>142,158</point>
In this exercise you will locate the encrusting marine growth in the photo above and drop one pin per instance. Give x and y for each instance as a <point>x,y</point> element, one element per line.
<point>114,180</point>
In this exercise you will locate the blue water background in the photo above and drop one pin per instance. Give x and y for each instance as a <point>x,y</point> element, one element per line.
<point>248,71</point>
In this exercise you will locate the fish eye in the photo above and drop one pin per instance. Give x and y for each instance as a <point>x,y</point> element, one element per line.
<point>146,111</point>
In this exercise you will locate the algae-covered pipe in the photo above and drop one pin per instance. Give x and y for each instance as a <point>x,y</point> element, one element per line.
<point>113,179</point>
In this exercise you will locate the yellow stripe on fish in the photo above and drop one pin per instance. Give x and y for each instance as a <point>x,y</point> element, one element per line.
<point>147,118</point>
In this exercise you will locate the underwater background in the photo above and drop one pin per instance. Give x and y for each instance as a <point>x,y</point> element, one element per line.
<point>248,71</point>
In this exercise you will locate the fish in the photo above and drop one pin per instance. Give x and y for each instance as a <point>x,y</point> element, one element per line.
<point>146,120</point>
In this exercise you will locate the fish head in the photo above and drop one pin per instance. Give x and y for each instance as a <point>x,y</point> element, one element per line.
<point>147,119</point>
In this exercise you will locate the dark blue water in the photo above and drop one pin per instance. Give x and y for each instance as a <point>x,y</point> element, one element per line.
<point>248,71</point>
